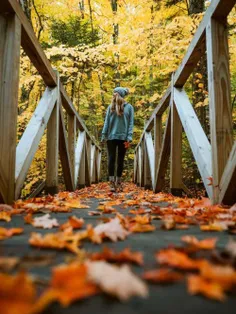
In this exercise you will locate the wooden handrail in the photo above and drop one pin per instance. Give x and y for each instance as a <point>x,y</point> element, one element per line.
<point>216,161</point>
<point>15,30</point>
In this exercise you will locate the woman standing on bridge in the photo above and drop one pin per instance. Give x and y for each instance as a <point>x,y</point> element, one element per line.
<point>118,131</point>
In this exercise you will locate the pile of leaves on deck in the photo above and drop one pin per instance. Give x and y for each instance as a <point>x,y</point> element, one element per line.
<point>107,271</point>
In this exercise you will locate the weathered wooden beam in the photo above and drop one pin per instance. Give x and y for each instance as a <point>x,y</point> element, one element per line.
<point>93,164</point>
<point>52,156</point>
<point>157,141</point>
<point>72,141</point>
<point>135,167</point>
<point>30,140</point>
<point>98,163</point>
<point>140,166</point>
<point>164,157</point>
<point>150,158</point>
<point>219,87</point>
<point>38,190</point>
<point>147,176</point>
<point>217,8</point>
<point>64,154</point>
<point>198,141</point>
<point>227,186</point>
<point>176,150</point>
<point>88,161</point>
<point>10,34</point>
<point>79,154</point>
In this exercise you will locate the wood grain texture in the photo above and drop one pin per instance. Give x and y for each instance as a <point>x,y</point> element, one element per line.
<point>176,149</point>
<point>149,152</point>
<point>219,100</point>
<point>30,139</point>
<point>10,34</point>
<point>147,175</point>
<point>72,140</point>
<point>164,157</point>
<point>79,154</point>
<point>227,186</point>
<point>198,141</point>
<point>64,153</point>
<point>157,140</point>
<point>52,156</point>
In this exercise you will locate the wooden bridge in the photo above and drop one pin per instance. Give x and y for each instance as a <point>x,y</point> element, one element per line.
<point>168,220</point>
<point>79,152</point>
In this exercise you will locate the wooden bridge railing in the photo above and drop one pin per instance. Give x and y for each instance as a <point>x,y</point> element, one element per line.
<point>216,161</point>
<point>80,155</point>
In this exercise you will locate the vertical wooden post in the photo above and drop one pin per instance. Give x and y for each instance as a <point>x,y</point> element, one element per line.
<point>72,141</point>
<point>157,142</point>
<point>10,39</point>
<point>135,167</point>
<point>147,181</point>
<point>176,149</point>
<point>52,151</point>
<point>219,99</point>
<point>88,161</point>
<point>98,163</point>
<point>82,173</point>
<point>142,147</point>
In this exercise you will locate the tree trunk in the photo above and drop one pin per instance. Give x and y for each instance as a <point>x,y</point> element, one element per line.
<point>200,73</point>
<point>196,6</point>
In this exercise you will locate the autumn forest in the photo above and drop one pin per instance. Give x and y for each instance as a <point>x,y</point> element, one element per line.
<point>98,45</point>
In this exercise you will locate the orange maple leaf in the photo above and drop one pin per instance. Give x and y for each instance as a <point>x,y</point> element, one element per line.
<point>163,275</point>
<point>205,244</point>
<point>212,290</point>
<point>124,256</point>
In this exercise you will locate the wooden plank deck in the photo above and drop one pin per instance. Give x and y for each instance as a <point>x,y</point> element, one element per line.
<point>164,299</point>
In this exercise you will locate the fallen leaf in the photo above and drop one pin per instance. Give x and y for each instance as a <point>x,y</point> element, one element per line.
<point>139,211</point>
<point>210,181</point>
<point>231,247</point>
<point>142,228</point>
<point>206,244</point>
<point>94,213</point>
<point>6,233</point>
<point>4,207</point>
<point>163,275</point>
<point>112,230</point>
<point>74,203</point>
<point>117,281</point>
<point>45,222</point>
<point>225,276</point>
<point>17,294</point>
<point>28,218</point>
<point>168,223</point>
<point>215,226</point>
<point>5,216</point>
<point>55,241</point>
<point>212,290</point>
<point>8,263</point>
<point>176,259</point>
<point>124,256</point>
<point>69,283</point>
<point>73,222</point>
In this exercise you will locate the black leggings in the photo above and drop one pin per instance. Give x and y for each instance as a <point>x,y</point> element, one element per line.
<point>111,146</point>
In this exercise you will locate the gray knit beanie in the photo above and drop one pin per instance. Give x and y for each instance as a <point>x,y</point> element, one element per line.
<point>121,91</point>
